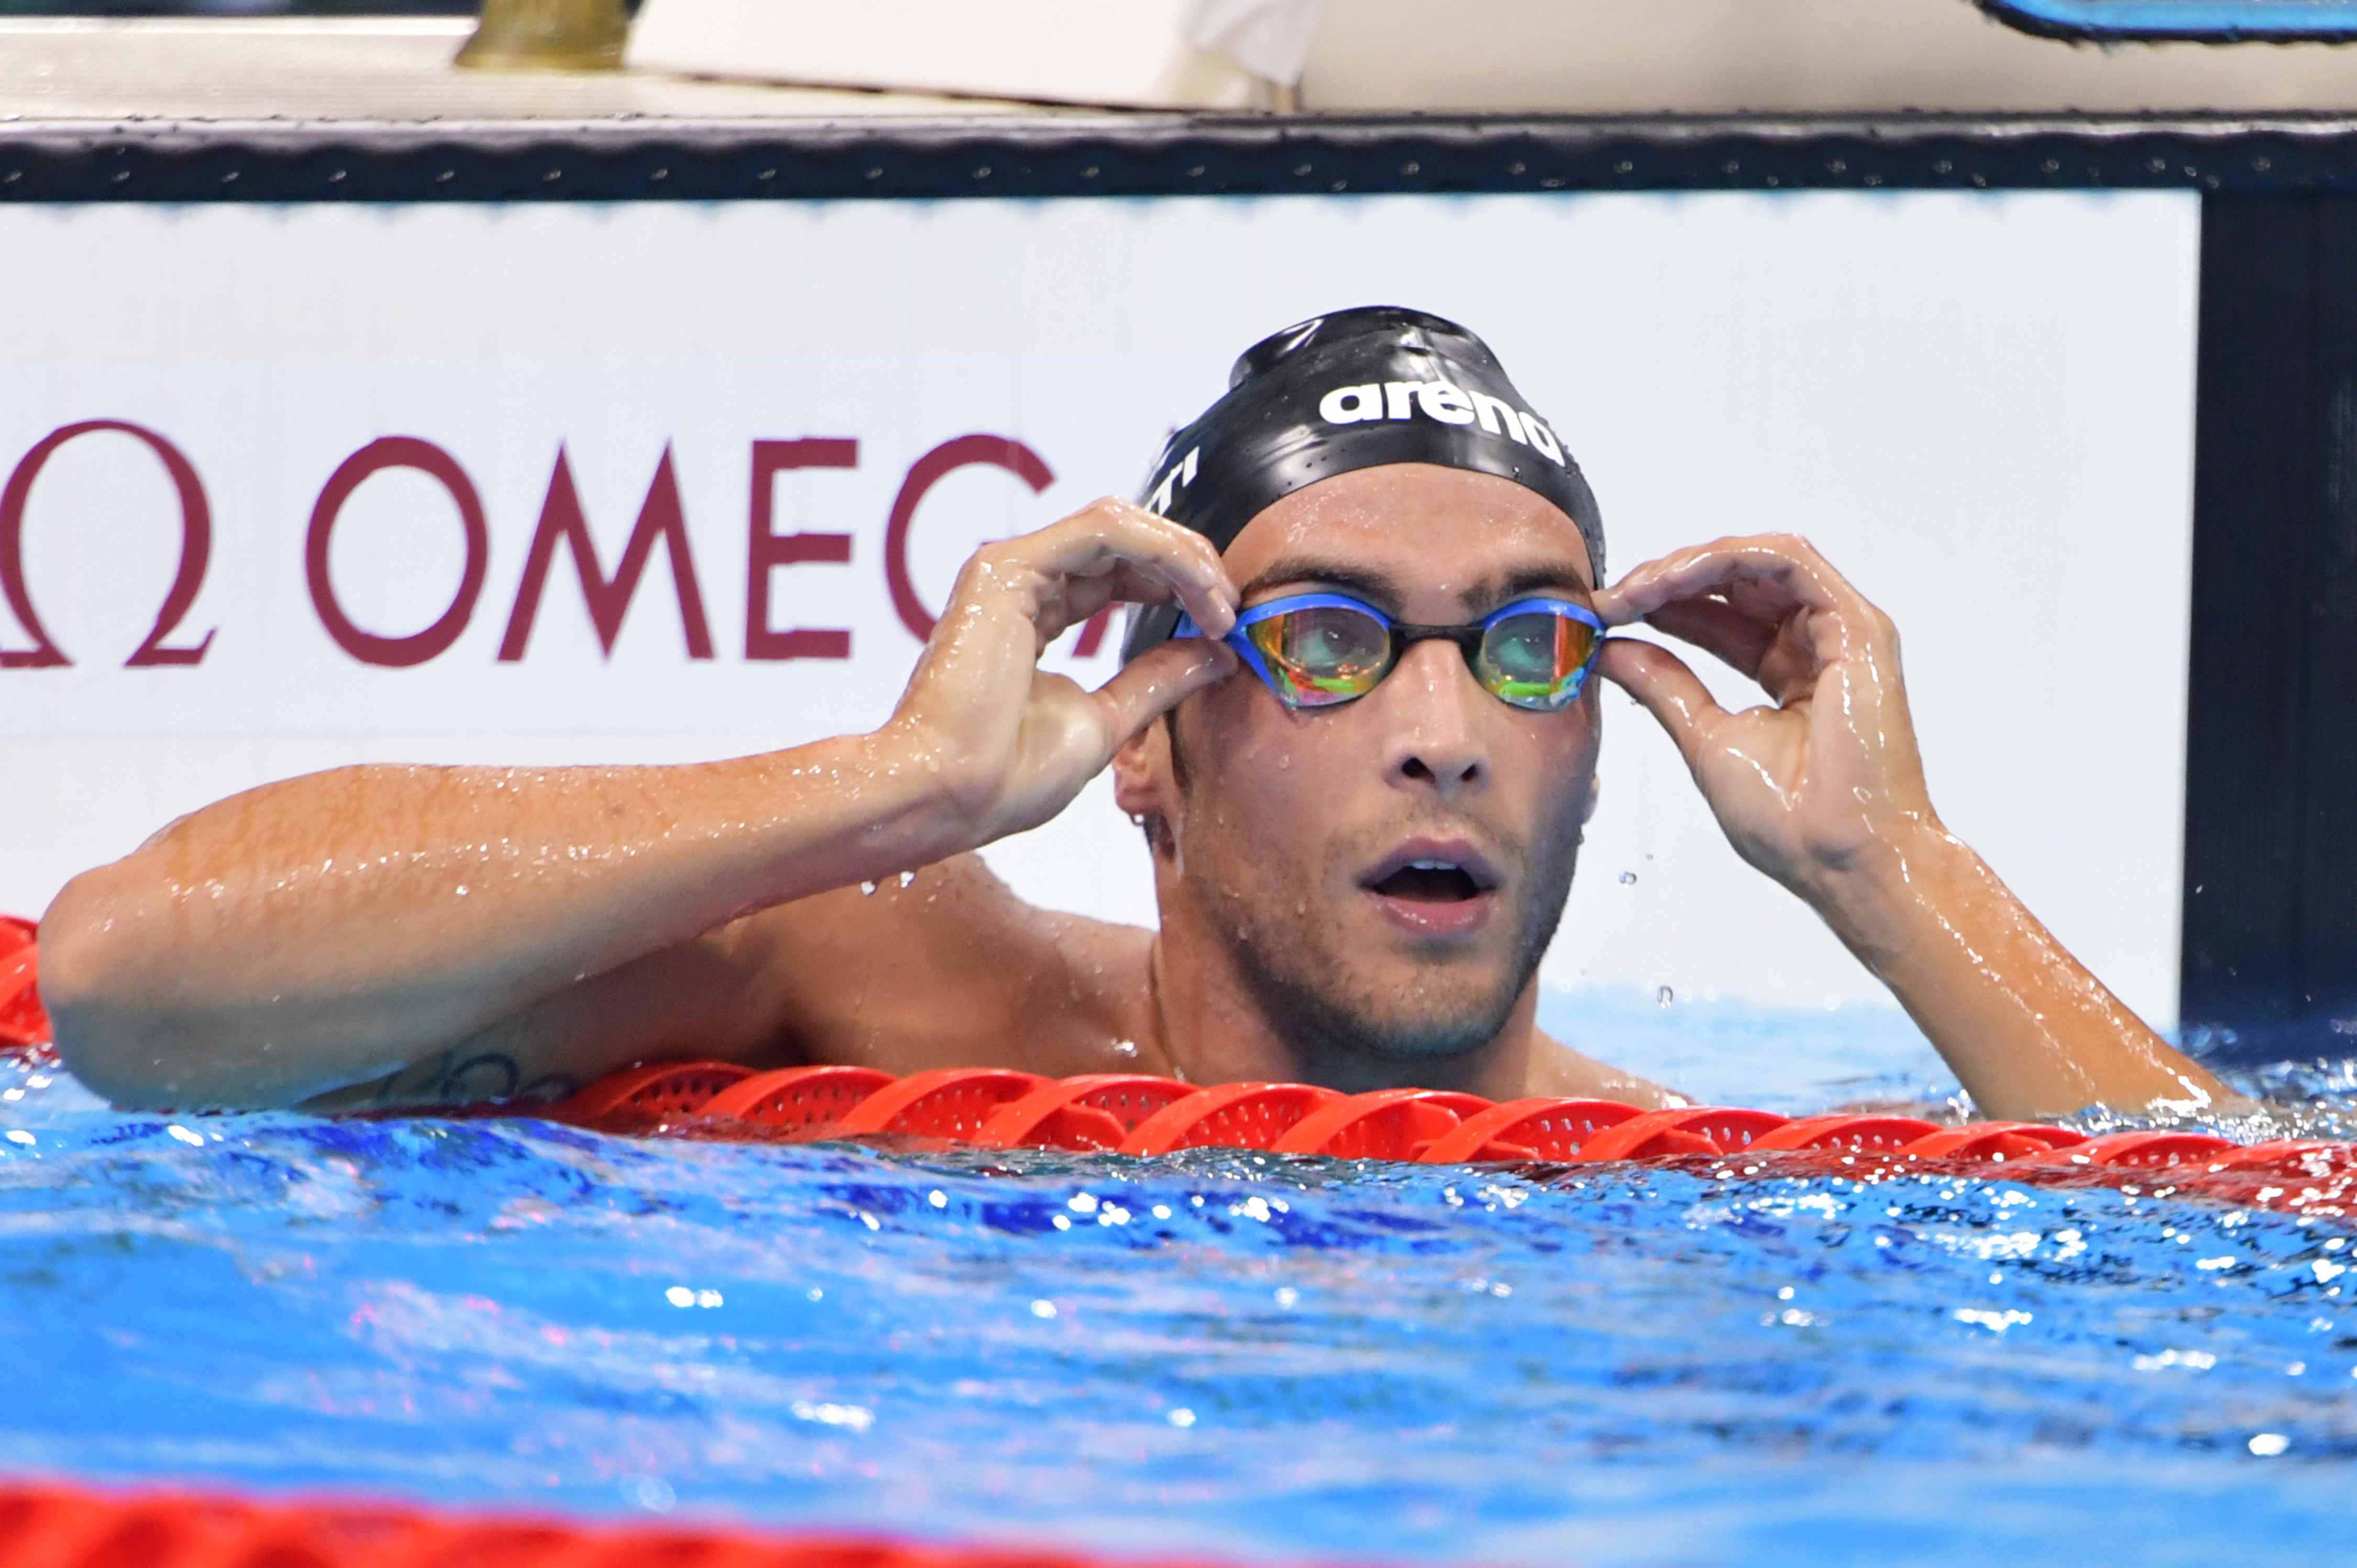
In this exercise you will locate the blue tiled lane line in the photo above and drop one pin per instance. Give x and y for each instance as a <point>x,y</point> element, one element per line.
<point>2221,21</point>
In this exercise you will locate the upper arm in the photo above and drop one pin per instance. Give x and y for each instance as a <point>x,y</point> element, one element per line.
<point>947,969</point>
<point>708,999</point>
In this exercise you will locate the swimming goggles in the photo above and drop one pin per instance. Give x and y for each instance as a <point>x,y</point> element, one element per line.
<point>1315,650</point>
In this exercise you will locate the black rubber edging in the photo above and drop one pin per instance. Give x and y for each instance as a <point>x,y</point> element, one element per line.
<point>1050,155</point>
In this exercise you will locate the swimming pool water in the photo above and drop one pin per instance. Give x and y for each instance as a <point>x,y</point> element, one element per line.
<point>1260,1358</point>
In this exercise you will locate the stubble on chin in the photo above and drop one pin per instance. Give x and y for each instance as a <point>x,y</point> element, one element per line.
<point>1334,1002</point>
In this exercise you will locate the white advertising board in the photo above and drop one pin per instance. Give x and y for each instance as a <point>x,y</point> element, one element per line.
<point>363,457</point>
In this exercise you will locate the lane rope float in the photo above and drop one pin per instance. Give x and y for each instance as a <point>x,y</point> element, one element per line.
<point>1139,1114</point>
<point>65,1525</point>
<point>24,1025</point>
<point>995,1108</point>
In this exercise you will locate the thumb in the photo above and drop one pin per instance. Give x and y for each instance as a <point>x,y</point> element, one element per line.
<point>1160,679</point>
<point>1666,688</point>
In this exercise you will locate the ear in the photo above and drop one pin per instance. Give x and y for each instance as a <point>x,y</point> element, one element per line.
<point>1143,784</point>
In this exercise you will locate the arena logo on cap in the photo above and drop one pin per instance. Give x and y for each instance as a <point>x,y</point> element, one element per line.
<point>1180,475</point>
<point>1442,400</point>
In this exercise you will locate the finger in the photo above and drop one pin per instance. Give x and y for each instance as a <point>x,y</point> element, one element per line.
<point>1160,679</point>
<point>1139,555</point>
<point>1767,570</point>
<point>1065,603</point>
<point>1666,688</point>
<point>1785,657</point>
<point>1720,629</point>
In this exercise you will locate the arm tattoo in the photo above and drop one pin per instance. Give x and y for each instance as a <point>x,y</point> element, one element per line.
<point>462,1077</point>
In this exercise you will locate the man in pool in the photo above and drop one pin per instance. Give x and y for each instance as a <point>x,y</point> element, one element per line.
<point>1364,805</point>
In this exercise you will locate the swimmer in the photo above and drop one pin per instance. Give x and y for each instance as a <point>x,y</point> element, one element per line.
<point>1357,723</point>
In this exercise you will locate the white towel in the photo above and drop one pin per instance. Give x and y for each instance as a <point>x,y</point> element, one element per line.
<point>1270,38</point>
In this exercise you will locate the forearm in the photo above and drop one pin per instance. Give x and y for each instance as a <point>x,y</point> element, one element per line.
<point>330,927</point>
<point>2027,1029</point>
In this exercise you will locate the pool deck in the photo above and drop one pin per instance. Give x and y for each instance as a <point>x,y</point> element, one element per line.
<point>371,71</point>
<point>372,109</point>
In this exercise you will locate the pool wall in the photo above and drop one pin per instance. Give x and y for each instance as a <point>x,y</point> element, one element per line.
<point>387,415</point>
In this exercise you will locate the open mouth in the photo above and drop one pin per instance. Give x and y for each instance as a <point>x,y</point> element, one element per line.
<point>1430,882</point>
<point>1434,887</point>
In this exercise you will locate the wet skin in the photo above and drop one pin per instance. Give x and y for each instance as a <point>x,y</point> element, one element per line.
<point>1296,941</point>
<point>413,935</point>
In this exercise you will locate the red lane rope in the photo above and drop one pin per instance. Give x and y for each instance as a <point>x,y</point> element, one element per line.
<point>24,1026</point>
<point>993,1108</point>
<point>61,1526</point>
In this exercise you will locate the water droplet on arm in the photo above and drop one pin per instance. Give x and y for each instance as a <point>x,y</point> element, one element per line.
<point>868,888</point>
<point>1627,877</point>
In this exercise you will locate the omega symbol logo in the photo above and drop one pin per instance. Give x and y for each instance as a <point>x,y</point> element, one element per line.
<point>196,550</point>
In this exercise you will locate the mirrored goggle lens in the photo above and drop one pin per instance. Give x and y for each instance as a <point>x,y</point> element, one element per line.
<point>1536,659</point>
<point>1326,654</point>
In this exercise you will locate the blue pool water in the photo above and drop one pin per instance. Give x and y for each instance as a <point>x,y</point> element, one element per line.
<point>1263,1358</point>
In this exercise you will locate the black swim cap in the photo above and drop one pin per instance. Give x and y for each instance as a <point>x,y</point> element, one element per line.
<point>1354,390</point>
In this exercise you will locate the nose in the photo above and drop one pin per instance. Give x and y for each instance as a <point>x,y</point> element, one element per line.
<point>1433,722</point>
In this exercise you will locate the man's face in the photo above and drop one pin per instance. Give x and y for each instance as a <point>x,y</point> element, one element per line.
<point>1296,836</point>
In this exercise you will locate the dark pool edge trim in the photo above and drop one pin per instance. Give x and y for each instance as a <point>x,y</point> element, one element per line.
<point>1049,155</point>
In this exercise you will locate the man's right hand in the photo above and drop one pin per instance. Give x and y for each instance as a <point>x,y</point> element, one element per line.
<point>1012,744</point>
<point>555,923</point>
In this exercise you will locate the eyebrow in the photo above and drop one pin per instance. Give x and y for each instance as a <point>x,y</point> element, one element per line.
<point>1382,592</point>
<point>1372,587</point>
<point>1532,580</point>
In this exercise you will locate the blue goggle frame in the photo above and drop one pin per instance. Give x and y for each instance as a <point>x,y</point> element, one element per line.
<point>1400,635</point>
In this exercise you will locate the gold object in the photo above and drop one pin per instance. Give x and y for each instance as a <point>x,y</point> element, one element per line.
<point>547,35</point>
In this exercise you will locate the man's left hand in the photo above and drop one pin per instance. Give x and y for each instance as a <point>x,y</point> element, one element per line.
<point>1808,788</point>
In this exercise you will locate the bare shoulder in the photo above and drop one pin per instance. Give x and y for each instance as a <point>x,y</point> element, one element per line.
<point>1558,1070</point>
<point>948,968</point>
